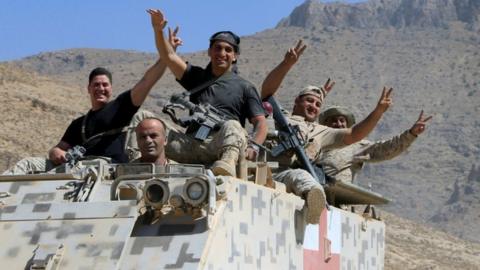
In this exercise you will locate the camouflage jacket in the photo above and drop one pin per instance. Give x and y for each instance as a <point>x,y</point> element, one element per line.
<point>317,138</point>
<point>342,164</point>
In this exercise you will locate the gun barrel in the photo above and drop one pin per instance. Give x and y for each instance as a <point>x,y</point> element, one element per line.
<point>295,143</point>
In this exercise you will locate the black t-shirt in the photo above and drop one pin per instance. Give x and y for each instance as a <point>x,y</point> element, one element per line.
<point>116,114</point>
<point>230,93</point>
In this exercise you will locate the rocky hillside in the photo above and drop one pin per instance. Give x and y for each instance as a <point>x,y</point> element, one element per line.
<point>427,50</point>
<point>385,13</point>
<point>37,109</point>
<point>413,246</point>
<point>35,112</point>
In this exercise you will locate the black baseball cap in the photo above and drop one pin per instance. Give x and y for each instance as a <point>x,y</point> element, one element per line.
<point>229,37</point>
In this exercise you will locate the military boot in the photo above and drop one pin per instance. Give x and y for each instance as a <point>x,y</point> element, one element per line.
<point>316,202</point>
<point>226,165</point>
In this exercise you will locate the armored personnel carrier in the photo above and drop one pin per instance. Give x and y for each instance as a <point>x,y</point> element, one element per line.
<point>96,215</point>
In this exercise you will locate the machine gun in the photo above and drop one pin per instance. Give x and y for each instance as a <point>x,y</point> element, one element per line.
<point>202,118</point>
<point>289,137</point>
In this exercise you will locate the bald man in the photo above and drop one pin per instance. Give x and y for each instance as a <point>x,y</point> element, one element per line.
<point>151,140</point>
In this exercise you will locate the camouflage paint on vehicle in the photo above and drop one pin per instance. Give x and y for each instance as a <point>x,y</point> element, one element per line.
<point>98,216</point>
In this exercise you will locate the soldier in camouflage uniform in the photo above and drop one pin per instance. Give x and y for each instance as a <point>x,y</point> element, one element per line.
<point>343,164</point>
<point>317,137</point>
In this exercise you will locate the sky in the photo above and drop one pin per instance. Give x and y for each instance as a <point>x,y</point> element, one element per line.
<point>29,27</point>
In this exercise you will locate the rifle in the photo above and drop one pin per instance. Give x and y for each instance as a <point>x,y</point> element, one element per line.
<point>289,137</point>
<point>202,118</point>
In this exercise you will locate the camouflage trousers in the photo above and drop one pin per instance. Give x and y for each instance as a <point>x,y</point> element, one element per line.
<point>184,149</point>
<point>297,181</point>
<point>30,165</point>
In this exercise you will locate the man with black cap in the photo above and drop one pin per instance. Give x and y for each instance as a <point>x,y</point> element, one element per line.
<point>220,86</point>
<point>342,164</point>
<point>317,137</point>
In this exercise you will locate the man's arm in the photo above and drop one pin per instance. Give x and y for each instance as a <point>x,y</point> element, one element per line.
<point>176,64</point>
<point>275,77</point>
<point>259,134</point>
<point>362,129</point>
<point>388,149</point>
<point>140,91</point>
<point>385,149</point>
<point>57,153</point>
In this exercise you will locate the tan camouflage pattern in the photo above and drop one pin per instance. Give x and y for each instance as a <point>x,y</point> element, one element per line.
<point>317,138</point>
<point>185,149</point>
<point>259,229</point>
<point>253,228</point>
<point>344,163</point>
<point>297,181</point>
<point>242,226</point>
<point>316,91</point>
<point>344,240</point>
<point>30,165</point>
<point>93,234</point>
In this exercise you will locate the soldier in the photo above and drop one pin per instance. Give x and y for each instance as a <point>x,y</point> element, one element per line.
<point>318,137</point>
<point>343,164</point>
<point>152,138</point>
<point>101,130</point>
<point>219,86</point>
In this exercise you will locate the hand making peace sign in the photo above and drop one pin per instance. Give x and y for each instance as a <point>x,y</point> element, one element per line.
<point>385,100</point>
<point>419,126</point>
<point>292,55</point>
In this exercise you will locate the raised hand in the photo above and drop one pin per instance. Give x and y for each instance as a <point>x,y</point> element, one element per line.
<point>158,19</point>
<point>420,125</point>
<point>292,55</point>
<point>173,39</point>
<point>328,86</point>
<point>385,100</point>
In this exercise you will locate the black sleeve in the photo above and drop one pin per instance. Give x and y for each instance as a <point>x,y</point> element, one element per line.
<point>125,100</point>
<point>253,103</point>
<point>121,109</point>
<point>72,135</point>
<point>192,77</point>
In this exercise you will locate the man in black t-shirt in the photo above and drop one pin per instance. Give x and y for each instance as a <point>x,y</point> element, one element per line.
<point>100,130</point>
<point>219,86</point>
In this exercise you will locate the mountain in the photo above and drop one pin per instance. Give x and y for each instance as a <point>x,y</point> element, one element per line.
<point>385,13</point>
<point>428,51</point>
<point>39,108</point>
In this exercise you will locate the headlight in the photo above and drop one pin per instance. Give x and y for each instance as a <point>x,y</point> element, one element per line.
<point>156,193</point>
<point>195,191</point>
<point>129,192</point>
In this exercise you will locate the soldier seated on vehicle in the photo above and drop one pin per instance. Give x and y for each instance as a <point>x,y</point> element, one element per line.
<point>31,165</point>
<point>317,137</point>
<point>219,86</point>
<point>342,164</point>
<point>101,130</point>
<point>151,135</point>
